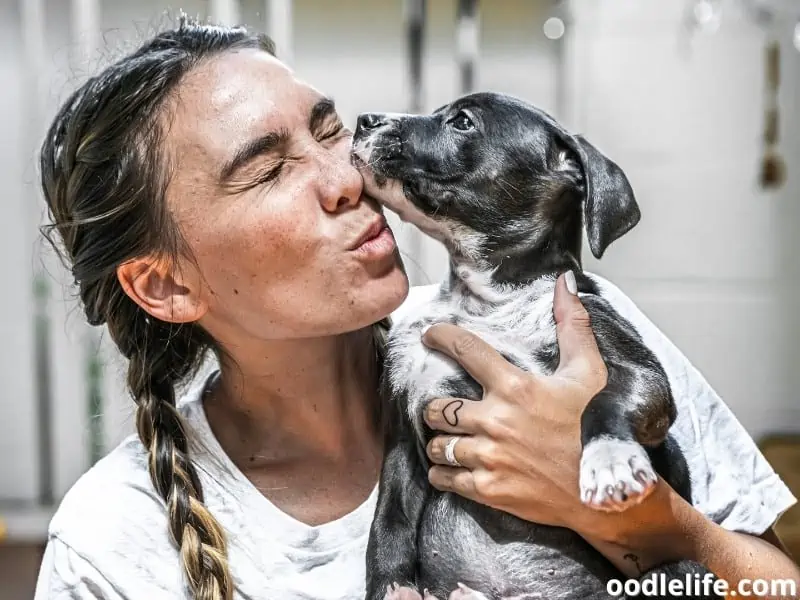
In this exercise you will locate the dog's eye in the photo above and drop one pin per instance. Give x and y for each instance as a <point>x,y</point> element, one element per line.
<point>462,122</point>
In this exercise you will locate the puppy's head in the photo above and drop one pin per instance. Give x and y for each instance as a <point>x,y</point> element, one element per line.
<point>490,176</point>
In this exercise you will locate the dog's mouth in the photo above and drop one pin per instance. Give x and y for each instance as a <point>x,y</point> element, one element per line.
<point>379,162</point>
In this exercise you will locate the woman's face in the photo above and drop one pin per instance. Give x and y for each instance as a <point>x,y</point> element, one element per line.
<point>273,212</point>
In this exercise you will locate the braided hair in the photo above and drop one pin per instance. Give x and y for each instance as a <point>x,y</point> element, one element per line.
<point>104,178</point>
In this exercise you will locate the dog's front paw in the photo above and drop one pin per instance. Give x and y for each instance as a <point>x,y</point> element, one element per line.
<point>615,474</point>
<point>397,592</point>
<point>465,593</point>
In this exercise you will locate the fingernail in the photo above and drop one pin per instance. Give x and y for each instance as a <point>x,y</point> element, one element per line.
<point>572,285</point>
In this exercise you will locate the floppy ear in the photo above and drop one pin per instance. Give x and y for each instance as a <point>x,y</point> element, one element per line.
<point>610,208</point>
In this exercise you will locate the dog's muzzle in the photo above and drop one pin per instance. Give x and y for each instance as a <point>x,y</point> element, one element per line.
<point>378,129</point>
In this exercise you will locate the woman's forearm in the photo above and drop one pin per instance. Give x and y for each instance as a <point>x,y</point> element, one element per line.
<point>736,556</point>
<point>666,528</point>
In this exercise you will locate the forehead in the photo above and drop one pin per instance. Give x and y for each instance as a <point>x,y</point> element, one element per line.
<point>232,98</point>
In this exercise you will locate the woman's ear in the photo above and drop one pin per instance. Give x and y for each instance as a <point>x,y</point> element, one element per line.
<point>161,291</point>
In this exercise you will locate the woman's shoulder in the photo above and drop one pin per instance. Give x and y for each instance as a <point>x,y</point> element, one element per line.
<point>115,495</point>
<point>110,528</point>
<point>114,502</point>
<point>109,533</point>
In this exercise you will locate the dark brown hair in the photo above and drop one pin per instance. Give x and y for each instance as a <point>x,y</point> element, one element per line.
<point>104,176</point>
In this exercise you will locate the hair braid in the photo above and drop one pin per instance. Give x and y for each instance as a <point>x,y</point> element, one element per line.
<point>155,364</point>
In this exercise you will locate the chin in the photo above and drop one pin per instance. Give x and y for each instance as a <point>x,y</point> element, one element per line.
<point>381,297</point>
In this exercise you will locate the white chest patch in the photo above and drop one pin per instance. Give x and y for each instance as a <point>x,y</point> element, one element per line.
<point>518,322</point>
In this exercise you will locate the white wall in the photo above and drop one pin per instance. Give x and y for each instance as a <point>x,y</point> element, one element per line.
<point>712,262</point>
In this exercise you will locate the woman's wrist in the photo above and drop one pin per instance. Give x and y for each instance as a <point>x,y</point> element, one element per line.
<point>666,528</point>
<point>663,528</point>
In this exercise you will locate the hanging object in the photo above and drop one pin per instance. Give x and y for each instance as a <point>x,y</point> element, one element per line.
<point>771,16</point>
<point>467,43</point>
<point>415,35</point>
<point>773,167</point>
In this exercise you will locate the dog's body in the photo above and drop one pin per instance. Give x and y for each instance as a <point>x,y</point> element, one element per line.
<point>502,186</point>
<point>456,540</point>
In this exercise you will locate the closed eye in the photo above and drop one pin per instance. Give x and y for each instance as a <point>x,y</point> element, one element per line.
<point>269,175</point>
<point>335,130</point>
<point>272,172</point>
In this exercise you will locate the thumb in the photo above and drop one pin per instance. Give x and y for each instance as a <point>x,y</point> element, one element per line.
<point>579,356</point>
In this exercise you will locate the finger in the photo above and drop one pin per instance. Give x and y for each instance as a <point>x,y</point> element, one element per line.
<point>465,451</point>
<point>453,479</point>
<point>486,365</point>
<point>453,415</point>
<point>577,345</point>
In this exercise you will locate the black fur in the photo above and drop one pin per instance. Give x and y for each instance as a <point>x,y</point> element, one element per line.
<point>516,192</point>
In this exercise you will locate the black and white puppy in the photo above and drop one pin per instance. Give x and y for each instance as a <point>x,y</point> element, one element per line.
<point>508,192</point>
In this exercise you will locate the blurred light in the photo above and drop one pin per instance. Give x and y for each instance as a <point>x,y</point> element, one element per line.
<point>703,12</point>
<point>707,15</point>
<point>553,28</point>
<point>797,36</point>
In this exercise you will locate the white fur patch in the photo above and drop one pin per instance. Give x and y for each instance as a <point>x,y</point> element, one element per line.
<point>615,474</point>
<point>517,323</point>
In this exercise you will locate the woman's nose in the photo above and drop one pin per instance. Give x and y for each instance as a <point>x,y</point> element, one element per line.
<point>342,184</point>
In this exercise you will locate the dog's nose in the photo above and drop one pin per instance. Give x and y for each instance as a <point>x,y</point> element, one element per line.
<point>368,121</point>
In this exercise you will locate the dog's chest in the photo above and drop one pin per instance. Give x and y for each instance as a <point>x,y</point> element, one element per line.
<point>517,322</point>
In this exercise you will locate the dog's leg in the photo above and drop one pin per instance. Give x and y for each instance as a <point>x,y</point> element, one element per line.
<point>392,546</point>
<point>628,418</point>
<point>624,431</point>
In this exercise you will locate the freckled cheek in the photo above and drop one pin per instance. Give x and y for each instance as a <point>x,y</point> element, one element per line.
<point>273,254</point>
<point>262,244</point>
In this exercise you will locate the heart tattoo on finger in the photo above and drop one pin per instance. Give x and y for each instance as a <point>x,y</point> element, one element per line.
<point>450,412</point>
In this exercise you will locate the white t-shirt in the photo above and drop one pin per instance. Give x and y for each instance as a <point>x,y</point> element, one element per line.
<point>109,537</point>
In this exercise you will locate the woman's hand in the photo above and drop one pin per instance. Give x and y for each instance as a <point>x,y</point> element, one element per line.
<point>520,446</point>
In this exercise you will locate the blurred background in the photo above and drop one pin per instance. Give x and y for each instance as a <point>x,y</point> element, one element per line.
<point>697,100</point>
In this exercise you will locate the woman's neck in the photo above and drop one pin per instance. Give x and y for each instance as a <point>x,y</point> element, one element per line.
<point>297,401</point>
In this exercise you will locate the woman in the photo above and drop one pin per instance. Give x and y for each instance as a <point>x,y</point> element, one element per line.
<point>205,201</point>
